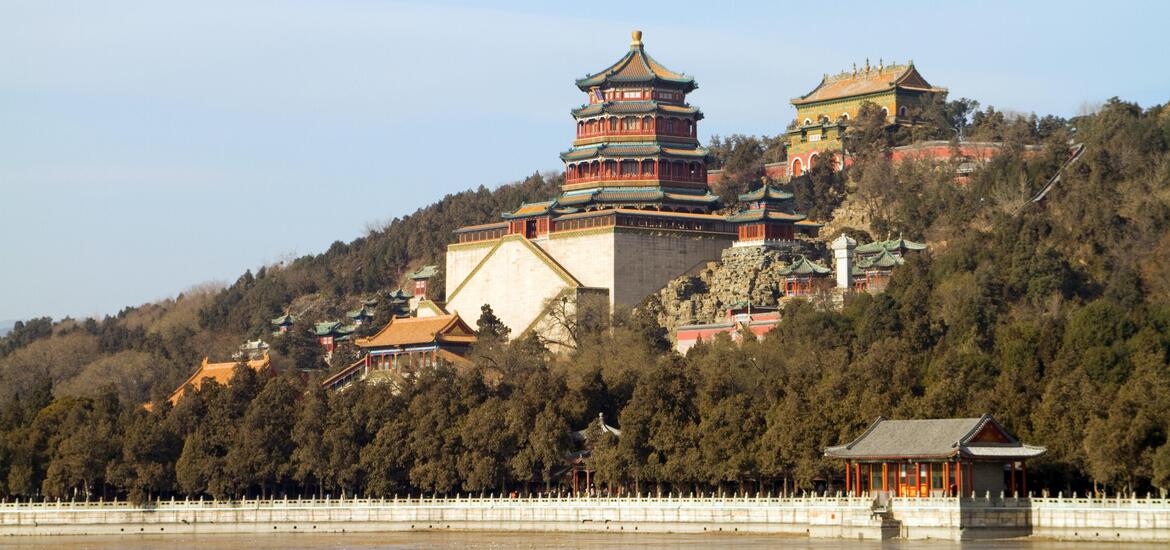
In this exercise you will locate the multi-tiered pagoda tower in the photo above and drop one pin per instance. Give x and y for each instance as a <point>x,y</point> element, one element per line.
<point>637,142</point>
<point>634,211</point>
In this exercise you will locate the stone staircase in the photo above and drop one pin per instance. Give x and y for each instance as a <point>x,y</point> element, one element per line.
<point>883,517</point>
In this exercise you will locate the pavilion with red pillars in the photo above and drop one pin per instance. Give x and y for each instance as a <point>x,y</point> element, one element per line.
<point>934,458</point>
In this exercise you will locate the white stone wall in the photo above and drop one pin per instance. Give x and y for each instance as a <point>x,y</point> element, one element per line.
<point>1100,519</point>
<point>461,259</point>
<point>514,280</point>
<point>587,254</point>
<point>814,516</point>
<point>1080,519</point>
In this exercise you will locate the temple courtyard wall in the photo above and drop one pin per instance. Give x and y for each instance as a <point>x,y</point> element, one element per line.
<point>1122,520</point>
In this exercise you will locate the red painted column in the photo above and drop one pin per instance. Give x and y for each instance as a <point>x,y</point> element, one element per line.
<point>885,478</point>
<point>1024,477</point>
<point>857,478</point>
<point>959,478</point>
<point>917,479</point>
<point>946,478</point>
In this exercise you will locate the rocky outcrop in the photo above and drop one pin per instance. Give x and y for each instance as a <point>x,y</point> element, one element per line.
<point>743,274</point>
<point>854,214</point>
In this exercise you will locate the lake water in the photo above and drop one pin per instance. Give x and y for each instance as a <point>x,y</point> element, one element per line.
<point>511,541</point>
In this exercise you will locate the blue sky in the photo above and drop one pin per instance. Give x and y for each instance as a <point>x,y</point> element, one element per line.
<point>149,146</point>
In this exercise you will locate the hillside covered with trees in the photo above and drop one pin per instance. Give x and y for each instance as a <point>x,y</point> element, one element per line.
<point>146,351</point>
<point>1054,317</point>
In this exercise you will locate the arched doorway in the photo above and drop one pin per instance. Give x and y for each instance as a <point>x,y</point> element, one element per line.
<point>797,168</point>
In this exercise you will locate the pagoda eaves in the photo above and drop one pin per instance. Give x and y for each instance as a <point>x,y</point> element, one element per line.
<point>637,67</point>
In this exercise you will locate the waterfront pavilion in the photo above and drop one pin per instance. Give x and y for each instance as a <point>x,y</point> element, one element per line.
<point>937,457</point>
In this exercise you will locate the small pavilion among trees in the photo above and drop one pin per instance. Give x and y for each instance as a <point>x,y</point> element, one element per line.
<point>936,457</point>
<point>579,471</point>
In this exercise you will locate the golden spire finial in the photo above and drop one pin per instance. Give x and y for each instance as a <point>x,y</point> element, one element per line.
<point>636,39</point>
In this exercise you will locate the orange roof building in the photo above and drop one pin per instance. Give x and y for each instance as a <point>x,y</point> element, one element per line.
<point>407,344</point>
<point>220,372</point>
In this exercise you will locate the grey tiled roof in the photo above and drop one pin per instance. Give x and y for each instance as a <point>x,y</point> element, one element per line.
<point>425,272</point>
<point>935,438</point>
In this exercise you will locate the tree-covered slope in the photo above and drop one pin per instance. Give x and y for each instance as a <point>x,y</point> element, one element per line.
<point>147,349</point>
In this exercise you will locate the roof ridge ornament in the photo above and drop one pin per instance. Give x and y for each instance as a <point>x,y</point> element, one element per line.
<point>636,39</point>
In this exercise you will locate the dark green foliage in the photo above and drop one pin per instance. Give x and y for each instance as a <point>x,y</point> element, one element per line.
<point>489,327</point>
<point>309,461</point>
<point>150,448</point>
<point>23,333</point>
<point>260,456</point>
<point>869,135</point>
<point>741,158</point>
<point>300,346</point>
<point>819,191</point>
<point>79,440</point>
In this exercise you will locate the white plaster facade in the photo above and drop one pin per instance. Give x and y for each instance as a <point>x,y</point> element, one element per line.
<point>587,254</point>
<point>517,276</point>
<point>513,275</point>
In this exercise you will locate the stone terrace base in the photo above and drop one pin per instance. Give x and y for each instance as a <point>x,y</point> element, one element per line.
<point>1112,519</point>
<point>1138,520</point>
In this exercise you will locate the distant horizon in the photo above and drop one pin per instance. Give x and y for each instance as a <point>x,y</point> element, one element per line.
<point>154,148</point>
